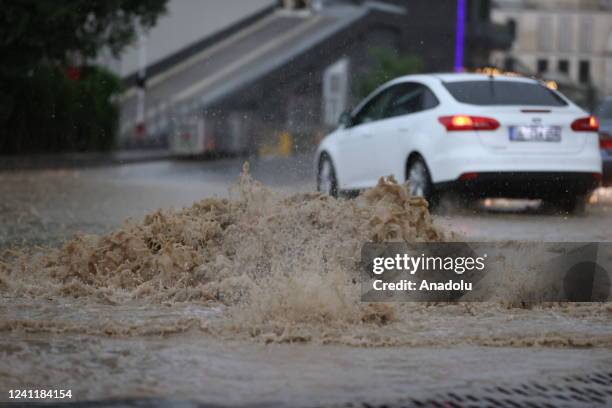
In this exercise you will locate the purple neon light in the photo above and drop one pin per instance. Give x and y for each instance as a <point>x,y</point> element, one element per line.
<point>459,35</point>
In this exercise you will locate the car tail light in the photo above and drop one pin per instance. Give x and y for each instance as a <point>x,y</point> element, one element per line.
<point>588,124</point>
<point>465,122</point>
<point>605,140</point>
<point>597,177</point>
<point>468,176</point>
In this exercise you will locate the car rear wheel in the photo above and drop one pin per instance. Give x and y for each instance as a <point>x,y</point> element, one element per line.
<point>572,204</point>
<point>420,180</point>
<point>326,178</point>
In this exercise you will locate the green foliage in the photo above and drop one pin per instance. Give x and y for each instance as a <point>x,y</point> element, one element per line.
<point>41,109</point>
<point>35,31</point>
<point>53,113</point>
<point>387,65</point>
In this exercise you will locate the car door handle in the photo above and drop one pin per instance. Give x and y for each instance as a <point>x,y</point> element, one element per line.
<point>403,129</point>
<point>366,135</point>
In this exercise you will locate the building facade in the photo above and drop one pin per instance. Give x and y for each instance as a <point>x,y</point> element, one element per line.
<point>569,41</point>
<point>281,67</point>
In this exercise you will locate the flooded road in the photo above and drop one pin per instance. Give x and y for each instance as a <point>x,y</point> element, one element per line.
<point>48,206</point>
<point>296,342</point>
<point>192,367</point>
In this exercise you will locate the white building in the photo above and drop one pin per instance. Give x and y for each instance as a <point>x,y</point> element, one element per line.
<point>186,22</point>
<point>570,40</point>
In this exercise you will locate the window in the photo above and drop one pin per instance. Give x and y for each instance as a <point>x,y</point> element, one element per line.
<point>396,100</point>
<point>542,65</point>
<point>409,98</point>
<point>373,109</point>
<point>503,92</point>
<point>429,99</point>
<point>563,66</point>
<point>584,71</point>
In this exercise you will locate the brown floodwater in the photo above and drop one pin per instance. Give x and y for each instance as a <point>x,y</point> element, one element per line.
<point>254,297</point>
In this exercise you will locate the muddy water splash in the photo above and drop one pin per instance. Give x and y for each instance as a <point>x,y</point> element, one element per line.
<point>277,268</point>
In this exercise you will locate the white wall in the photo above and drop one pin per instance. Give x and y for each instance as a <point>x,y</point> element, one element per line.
<point>186,22</point>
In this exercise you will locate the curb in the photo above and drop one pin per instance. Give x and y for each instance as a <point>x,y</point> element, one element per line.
<point>81,160</point>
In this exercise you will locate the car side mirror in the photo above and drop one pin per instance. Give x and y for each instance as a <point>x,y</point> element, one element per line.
<point>345,119</point>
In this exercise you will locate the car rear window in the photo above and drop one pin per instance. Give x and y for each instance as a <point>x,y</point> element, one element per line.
<point>492,92</point>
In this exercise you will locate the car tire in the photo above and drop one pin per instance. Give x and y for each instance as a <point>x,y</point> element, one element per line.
<point>419,180</point>
<point>326,177</point>
<point>575,205</point>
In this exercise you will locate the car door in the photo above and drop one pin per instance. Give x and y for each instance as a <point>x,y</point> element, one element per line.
<point>355,144</point>
<point>400,124</point>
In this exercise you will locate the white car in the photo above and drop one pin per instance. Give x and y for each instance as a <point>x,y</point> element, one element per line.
<point>483,136</point>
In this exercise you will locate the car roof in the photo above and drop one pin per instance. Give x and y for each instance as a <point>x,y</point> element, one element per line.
<point>464,76</point>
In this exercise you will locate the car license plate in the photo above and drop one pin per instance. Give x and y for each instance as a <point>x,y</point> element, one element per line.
<point>535,133</point>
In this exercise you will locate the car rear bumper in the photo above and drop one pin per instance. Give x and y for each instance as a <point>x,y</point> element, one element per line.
<point>522,184</point>
<point>463,156</point>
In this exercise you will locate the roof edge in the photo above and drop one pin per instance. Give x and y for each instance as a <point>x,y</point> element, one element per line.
<point>385,7</point>
<point>198,46</point>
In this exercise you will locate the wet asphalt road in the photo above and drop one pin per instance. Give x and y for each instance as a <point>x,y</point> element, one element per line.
<point>48,206</point>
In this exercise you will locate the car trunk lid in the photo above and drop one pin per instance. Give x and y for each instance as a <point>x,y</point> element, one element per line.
<point>532,130</point>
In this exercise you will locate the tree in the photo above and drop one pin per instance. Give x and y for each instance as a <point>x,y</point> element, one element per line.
<point>55,113</point>
<point>46,102</point>
<point>35,31</point>
<point>387,65</point>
